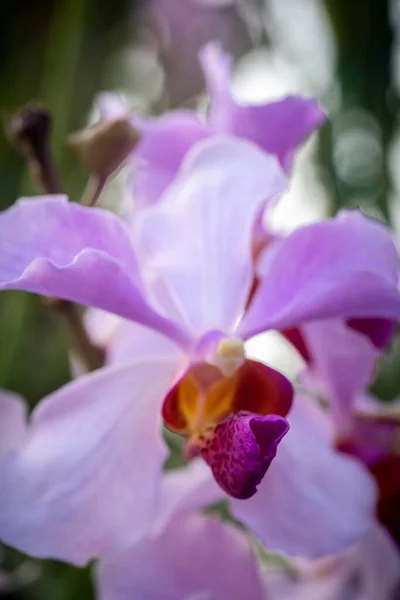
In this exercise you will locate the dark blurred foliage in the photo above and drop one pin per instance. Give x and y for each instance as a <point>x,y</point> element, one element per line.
<point>364,38</point>
<point>55,51</point>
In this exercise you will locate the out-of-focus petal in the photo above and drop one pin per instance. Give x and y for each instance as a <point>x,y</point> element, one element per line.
<point>277,127</point>
<point>124,340</point>
<point>12,422</point>
<point>52,247</point>
<point>344,267</point>
<point>367,571</point>
<point>313,500</point>
<point>195,556</point>
<point>103,326</point>
<point>378,560</point>
<point>111,105</point>
<point>199,236</point>
<point>375,429</point>
<point>342,362</point>
<point>186,490</point>
<point>87,476</point>
<point>164,141</point>
<point>217,66</point>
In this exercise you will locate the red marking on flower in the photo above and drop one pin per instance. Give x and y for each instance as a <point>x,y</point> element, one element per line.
<point>296,338</point>
<point>241,449</point>
<point>387,475</point>
<point>379,331</point>
<point>203,397</point>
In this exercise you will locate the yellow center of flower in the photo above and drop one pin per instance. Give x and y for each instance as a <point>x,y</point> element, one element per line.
<point>230,356</point>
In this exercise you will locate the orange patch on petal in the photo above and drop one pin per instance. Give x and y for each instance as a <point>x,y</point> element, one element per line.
<point>204,397</point>
<point>200,399</point>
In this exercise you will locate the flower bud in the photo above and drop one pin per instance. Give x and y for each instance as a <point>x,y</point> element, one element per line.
<point>102,148</point>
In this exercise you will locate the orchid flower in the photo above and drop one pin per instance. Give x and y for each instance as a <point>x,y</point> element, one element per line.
<point>91,457</point>
<point>277,127</point>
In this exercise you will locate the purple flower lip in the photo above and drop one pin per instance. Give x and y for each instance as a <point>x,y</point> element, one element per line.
<point>241,450</point>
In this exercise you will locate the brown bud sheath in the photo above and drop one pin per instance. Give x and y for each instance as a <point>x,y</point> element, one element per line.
<point>30,130</point>
<point>102,148</point>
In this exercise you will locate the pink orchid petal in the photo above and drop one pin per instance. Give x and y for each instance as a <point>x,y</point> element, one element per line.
<point>367,571</point>
<point>313,500</point>
<point>52,247</point>
<point>87,476</point>
<point>194,557</point>
<point>276,127</point>
<point>124,340</point>
<point>342,363</point>
<point>241,450</point>
<point>378,558</point>
<point>344,267</point>
<point>199,236</point>
<point>217,67</point>
<point>186,490</point>
<point>13,431</point>
<point>164,142</point>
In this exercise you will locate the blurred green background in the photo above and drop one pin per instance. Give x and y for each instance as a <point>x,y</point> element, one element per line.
<point>64,52</point>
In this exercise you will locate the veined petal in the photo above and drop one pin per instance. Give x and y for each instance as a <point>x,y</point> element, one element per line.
<point>195,556</point>
<point>241,449</point>
<point>199,236</point>
<point>87,476</point>
<point>344,267</point>
<point>313,500</point>
<point>56,248</point>
<point>276,127</point>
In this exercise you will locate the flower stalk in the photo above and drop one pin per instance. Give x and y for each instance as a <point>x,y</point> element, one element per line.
<point>30,132</point>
